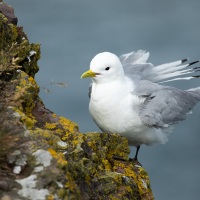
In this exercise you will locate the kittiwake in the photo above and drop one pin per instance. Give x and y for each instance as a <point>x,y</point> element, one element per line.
<point>126,96</point>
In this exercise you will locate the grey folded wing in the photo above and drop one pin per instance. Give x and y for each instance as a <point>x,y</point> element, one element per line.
<point>90,90</point>
<point>166,106</point>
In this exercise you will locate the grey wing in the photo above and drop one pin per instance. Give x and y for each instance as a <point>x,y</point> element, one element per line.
<point>133,57</point>
<point>90,90</point>
<point>166,107</point>
<point>143,70</point>
<point>135,64</point>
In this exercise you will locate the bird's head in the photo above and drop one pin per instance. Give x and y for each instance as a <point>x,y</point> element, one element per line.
<point>104,67</point>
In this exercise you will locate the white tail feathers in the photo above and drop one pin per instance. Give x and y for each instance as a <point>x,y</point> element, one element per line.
<point>135,63</point>
<point>170,70</point>
<point>196,90</point>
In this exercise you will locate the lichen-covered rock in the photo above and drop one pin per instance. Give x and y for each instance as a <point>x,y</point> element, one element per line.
<point>44,156</point>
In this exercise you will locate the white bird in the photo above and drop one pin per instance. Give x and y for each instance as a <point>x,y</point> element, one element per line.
<point>125,97</point>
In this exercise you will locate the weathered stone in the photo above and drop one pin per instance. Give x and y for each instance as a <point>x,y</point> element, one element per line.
<point>8,12</point>
<point>44,156</point>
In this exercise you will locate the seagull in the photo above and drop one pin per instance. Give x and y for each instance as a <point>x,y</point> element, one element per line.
<point>127,96</point>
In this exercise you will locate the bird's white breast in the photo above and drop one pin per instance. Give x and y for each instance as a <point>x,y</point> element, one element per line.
<point>115,108</point>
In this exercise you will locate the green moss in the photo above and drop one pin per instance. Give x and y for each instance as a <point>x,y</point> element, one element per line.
<point>25,94</point>
<point>15,49</point>
<point>8,32</point>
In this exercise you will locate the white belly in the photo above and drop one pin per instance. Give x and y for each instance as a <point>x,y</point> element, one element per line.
<point>114,115</point>
<point>120,115</point>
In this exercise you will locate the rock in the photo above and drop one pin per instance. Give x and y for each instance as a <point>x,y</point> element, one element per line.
<point>8,12</point>
<point>44,156</point>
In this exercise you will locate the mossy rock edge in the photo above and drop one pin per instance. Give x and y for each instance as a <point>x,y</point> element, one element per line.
<point>43,155</point>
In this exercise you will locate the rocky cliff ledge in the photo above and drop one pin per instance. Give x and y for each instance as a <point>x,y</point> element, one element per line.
<point>44,156</point>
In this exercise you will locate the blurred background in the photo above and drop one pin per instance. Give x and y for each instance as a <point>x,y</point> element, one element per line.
<point>71,32</point>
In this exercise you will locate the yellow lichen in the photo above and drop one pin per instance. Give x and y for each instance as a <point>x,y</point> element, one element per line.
<point>143,181</point>
<point>58,156</point>
<point>106,165</point>
<point>70,183</point>
<point>92,145</point>
<point>50,197</point>
<point>117,177</point>
<point>64,122</point>
<point>68,124</point>
<point>58,131</point>
<point>50,125</point>
<point>78,139</point>
<point>24,94</point>
<point>54,115</point>
<point>31,80</point>
<point>138,174</point>
<point>29,122</point>
<point>129,189</point>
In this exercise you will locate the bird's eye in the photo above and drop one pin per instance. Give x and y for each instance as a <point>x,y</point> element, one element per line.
<point>107,68</point>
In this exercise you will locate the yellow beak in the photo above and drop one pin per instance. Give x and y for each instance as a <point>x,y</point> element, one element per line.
<point>88,74</point>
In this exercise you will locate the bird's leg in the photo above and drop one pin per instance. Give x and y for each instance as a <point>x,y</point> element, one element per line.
<point>135,159</point>
<point>136,154</point>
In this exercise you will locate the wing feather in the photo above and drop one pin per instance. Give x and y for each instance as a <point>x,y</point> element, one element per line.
<point>167,106</point>
<point>135,63</point>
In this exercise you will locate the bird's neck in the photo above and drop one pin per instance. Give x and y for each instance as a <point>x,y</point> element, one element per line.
<point>110,88</point>
<point>108,80</point>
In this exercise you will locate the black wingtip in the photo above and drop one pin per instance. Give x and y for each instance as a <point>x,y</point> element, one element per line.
<point>184,60</point>
<point>198,76</point>
<point>192,63</point>
<point>196,68</point>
